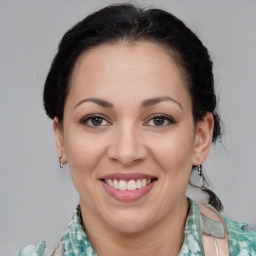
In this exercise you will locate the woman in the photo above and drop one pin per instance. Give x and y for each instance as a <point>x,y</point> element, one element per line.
<point>131,95</point>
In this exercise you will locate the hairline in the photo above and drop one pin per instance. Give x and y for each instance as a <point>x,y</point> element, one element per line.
<point>174,55</point>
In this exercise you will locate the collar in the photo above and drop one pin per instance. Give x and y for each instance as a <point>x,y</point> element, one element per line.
<point>76,242</point>
<point>192,243</point>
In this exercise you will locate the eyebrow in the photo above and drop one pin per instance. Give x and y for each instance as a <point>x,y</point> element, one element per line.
<point>97,101</point>
<point>146,103</point>
<point>154,101</point>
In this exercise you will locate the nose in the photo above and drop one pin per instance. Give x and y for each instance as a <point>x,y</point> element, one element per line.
<point>127,146</point>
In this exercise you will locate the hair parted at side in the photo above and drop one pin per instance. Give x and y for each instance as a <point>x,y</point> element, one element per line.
<point>130,23</point>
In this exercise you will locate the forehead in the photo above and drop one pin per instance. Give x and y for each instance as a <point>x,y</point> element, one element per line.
<point>141,68</point>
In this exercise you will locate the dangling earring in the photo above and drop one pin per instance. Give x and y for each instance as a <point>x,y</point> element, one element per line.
<point>213,199</point>
<point>200,173</point>
<point>199,169</point>
<point>61,164</point>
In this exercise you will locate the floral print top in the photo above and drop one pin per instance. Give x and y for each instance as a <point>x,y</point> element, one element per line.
<point>75,242</point>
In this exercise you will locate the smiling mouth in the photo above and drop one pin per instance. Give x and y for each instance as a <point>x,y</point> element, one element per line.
<point>129,185</point>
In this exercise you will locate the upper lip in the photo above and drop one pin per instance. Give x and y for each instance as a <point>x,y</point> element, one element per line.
<point>127,176</point>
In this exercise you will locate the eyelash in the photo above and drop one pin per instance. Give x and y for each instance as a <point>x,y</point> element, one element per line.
<point>167,118</point>
<point>85,120</point>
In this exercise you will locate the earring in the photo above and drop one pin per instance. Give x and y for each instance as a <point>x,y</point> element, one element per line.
<point>61,164</point>
<point>200,173</point>
<point>199,168</point>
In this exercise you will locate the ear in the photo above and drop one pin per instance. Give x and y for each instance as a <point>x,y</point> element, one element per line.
<point>203,139</point>
<point>59,139</point>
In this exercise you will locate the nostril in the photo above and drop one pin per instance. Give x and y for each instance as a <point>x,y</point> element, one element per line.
<point>127,154</point>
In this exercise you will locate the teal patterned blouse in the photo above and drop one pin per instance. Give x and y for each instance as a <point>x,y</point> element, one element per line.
<point>75,242</point>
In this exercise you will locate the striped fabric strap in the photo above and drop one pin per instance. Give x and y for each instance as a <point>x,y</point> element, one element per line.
<point>214,232</point>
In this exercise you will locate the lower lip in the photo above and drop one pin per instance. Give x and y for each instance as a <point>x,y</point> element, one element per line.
<point>128,195</point>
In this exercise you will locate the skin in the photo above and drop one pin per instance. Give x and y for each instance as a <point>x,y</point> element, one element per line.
<point>128,140</point>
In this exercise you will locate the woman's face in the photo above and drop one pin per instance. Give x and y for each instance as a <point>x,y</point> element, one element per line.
<point>128,135</point>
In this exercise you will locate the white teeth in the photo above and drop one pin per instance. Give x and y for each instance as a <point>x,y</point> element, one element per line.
<point>116,184</point>
<point>138,184</point>
<point>122,185</point>
<point>144,183</point>
<point>131,185</point>
<point>128,185</point>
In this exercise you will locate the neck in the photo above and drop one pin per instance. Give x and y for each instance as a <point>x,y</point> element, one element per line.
<point>163,239</point>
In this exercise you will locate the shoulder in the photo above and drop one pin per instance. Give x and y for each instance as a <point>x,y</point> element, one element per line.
<point>242,241</point>
<point>38,250</point>
<point>33,250</point>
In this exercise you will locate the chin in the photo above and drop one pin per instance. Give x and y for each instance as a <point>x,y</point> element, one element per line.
<point>130,221</point>
<point>129,227</point>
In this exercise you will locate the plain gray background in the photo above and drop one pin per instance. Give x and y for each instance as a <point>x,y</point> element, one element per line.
<point>36,197</point>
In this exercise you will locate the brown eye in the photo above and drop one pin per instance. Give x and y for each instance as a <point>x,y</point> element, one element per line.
<point>97,121</point>
<point>94,121</point>
<point>159,121</point>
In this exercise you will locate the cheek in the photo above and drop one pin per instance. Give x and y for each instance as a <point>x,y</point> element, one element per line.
<point>84,152</point>
<point>175,153</point>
